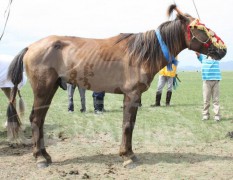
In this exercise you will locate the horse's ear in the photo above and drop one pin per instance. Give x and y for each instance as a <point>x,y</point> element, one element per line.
<point>180,15</point>
<point>183,18</point>
<point>171,9</point>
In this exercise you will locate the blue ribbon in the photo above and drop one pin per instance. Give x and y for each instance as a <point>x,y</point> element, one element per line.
<point>170,60</point>
<point>175,83</point>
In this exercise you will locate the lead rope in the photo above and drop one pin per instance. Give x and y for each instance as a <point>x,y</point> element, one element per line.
<point>196,9</point>
<point>194,6</point>
<point>7,11</point>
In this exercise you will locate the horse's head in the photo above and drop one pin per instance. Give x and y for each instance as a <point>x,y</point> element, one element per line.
<point>198,37</point>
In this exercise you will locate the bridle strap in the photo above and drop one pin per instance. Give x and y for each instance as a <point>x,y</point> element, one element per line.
<point>203,42</point>
<point>195,37</point>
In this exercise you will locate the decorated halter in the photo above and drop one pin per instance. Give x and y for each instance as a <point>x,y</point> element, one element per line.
<point>212,37</point>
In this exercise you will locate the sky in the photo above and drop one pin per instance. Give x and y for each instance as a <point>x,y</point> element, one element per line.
<point>31,20</point>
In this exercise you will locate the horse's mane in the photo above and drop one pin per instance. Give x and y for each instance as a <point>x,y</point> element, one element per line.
<point>172,33</point>
<point>144,48</point>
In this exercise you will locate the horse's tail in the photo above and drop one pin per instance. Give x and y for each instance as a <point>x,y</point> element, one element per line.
<point>21,105</point>
<point>15,74</point>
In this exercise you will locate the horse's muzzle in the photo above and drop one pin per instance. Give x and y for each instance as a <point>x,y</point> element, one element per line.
<point>217,54</point>
<point>222,53</point>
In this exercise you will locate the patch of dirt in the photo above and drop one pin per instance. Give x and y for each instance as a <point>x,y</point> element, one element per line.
<point>87,158</point>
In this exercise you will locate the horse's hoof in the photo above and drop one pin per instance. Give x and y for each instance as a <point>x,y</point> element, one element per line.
<point>131,163</point>
<point>46,156</point>
<point>49,161</point>
<point>42,163</point>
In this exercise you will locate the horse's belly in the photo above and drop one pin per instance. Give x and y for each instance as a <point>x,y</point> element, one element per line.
<point>102,80</point>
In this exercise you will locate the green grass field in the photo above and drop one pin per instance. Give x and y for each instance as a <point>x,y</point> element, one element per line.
<point>171,142</point>
<point>176,125</point>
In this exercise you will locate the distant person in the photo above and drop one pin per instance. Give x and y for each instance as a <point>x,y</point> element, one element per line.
<point>165,77</point>
<point>98,102</point>
<point>71,89</point>
<point>211,77</point>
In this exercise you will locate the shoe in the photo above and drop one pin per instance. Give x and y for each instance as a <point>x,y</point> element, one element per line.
<point>204,118</point>
<point>217,118</point>
<point>154,105</point>
<point>70,111</point>
<point>98,112</point>
<point>82,110</point>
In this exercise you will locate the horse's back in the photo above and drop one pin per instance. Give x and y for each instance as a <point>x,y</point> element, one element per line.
<point>69,50</point>
<point>96,64</point>
<point>52,40</point>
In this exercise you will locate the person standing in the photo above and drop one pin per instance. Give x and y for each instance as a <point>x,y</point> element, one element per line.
<point>165,77</point>
<point>98,102</point>
<point>71,89</point>
<point>211,76</point>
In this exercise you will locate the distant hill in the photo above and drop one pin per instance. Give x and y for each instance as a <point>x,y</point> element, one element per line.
<point>225,66</point>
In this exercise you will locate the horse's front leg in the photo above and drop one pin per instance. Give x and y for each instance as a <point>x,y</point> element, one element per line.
<point>131,103</point>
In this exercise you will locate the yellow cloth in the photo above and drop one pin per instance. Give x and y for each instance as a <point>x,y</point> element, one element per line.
<point>165,72</point>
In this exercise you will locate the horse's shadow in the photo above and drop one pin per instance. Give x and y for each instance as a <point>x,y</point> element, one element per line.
<point>147,158</point>
<point>185,105</point>
<point>12,149</point>
<point>7,149</point>
<point>3,134</point>
<point>227,119</point>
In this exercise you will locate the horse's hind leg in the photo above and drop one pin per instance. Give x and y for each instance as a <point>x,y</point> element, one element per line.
<point>43,94</point>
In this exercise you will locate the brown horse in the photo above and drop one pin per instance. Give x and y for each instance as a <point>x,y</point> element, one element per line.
<point>125,64</point>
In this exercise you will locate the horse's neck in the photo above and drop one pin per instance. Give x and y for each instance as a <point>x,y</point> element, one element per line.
<point>174,38</point>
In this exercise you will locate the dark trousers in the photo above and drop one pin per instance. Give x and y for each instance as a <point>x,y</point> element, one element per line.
<point>98,100</point>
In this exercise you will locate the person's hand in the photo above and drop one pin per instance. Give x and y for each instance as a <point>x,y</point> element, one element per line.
<point>198,54</point>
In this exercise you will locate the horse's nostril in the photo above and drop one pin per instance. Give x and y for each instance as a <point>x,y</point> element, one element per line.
<point>223,52</point>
